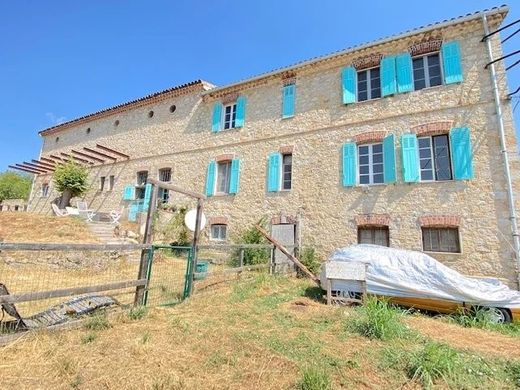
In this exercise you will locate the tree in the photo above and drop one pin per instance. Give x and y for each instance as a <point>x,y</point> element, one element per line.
<point>71,180</point>
<point>14,186</point>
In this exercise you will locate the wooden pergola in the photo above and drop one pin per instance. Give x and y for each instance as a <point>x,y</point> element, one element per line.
<point>98,155</point>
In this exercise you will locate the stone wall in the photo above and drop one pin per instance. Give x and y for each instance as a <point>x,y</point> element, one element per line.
<point>326,210</point>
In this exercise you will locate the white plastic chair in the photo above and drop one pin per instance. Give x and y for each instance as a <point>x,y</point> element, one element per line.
<point>84,211</point>
<point>72,210</point>
<point>116,215</point>
<point>58,211</point>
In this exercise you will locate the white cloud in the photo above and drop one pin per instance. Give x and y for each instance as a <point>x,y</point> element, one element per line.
<point>56,120</point>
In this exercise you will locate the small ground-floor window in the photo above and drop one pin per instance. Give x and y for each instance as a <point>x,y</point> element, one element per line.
<point>219,232</point>
<point>441,240</point>
<point>377,235</point>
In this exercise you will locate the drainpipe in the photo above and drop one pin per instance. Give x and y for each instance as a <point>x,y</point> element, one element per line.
<point>501,131</point>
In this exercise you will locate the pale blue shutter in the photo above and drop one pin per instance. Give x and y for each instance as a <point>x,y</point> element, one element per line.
<point>210,179</point>
<point>235,176</point>
<point>388,77</point>
<point>451,61</point>
<point>147,196</point>
<point>216,125</point>
<point>273,172</point>
<point>241,111</point>
<point>132,212</point>
<point>410,159</point>
<point>288,93</point>
<point>349,158</point>
<point>403,64</point>
<point>461,153</point>
<point>129,193</point>
<point>348,81</point>
<point>389,159</point>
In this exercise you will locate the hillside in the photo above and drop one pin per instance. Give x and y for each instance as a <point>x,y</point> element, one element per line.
<point>28,227</point>
<point>260,333</point>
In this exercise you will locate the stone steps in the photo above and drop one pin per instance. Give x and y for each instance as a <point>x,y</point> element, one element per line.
<point>104,231</point>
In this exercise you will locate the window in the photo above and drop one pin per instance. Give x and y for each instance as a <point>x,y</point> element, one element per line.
<point>165,175</point>
<point>441,240</point>
<point>102,180</point>
<point>373,235</point>
<point>286,171</point>
<point>142,176</point>
<point>434,158</point>
<point>230,114</point>
<point>219,232</point>
<point>45,190</point>
<point>223,177</point>
<point>111,182</point>
<point>371,164</point>
<point>427,71</point>
<point>368,84</point>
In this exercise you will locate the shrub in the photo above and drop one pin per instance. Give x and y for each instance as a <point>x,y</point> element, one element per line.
<point>378,320</point>
<point>311,260</point>
<point>432,362</point>
<point>71,180</point>
<point>14,186</point>
<point>314,379</point>
<point>251,256</point>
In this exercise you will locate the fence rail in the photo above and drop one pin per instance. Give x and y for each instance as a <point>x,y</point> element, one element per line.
<point>26,246</point>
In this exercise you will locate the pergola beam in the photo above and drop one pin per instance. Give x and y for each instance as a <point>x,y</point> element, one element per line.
<point>106,149</point>
<point>76,158</point>
<point>100,154</point>
<point>24,169</point>
<point>25,163</point>
<point>56,158</point>
<point>87,156</point>
<point>31,168</point>
<point>44,164</point>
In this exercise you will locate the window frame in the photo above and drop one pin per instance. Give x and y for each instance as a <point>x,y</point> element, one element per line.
<point>427,81</point>
<point>233,116</point>
<point>439,249</point>
<point>111,182</point>
<point>220,226</point>
<point>434,158</point>
<point>282,172</point>
<point>217,176</point>
<point>373,229</point>
<point>102,181</point>
<point>369,83</point>
<point>163,195</point>
<point>44,193</point>
<point>370,164</point>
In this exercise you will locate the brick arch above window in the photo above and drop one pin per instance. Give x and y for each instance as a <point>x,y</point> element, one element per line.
<point>439,220</point>
<point>218,220</point>
<point>369,136</point>
<point>372,220</point>
<point>224,157</point>
<point>433,128</point>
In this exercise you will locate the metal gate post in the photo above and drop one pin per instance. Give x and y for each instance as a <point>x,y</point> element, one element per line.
<point>148,275</point>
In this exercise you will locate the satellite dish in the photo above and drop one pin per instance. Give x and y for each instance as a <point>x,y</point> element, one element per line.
<point>191,217</point>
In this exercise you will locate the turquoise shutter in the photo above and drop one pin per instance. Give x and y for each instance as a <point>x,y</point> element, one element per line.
<point>210,179</point>
<point>403,64</point>
<point>241,111</point>
<point>409,156</point>
<point>388,77</point>
<point>348,81</point>
<point>216,125</point>
<point>132,212</point>
<point>147,196</point>
<point>349,164</point>
<point>273,172</point>
<point>461,153</point>
<point>288,101</point>
<point>451,61</point>
<point>235,176</point>
<point>389,159</point>
<point>129,193</point>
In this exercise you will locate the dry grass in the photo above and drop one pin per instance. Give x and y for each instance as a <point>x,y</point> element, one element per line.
<point>259,333</point>
<point>28,227</point>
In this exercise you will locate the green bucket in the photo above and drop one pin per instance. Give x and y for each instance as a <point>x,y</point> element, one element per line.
<point>201,270</point>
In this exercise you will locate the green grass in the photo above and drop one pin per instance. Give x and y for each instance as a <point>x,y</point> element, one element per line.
<point>98,321</point>
<point>314,378</point>
<point>433,361</point>
<point>137,312</point>
<point>88,338</point>
<point>376,319</point>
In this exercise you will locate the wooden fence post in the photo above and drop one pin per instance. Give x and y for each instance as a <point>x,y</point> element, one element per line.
<point>147,239</point>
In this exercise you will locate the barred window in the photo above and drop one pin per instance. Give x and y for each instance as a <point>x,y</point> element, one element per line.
<point>441,240</point>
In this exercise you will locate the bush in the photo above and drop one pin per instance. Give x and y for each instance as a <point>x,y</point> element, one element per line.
<point>251,256</point>
<point>71,180</point>
<point>314,379</point>
<point>14,186</point>
<point>379,320</point>
<point>311,260</point>
<point>432,362</point>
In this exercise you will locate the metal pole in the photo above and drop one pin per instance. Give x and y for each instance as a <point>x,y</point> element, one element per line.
<point>196,234</point>
<point>501,131</point>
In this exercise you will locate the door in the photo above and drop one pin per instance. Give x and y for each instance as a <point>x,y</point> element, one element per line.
<point>285,235</point>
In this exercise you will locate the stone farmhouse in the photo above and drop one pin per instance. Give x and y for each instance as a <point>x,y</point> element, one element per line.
<point>394,142</point>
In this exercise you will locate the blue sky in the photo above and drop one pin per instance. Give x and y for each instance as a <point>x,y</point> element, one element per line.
<point>63,59</point>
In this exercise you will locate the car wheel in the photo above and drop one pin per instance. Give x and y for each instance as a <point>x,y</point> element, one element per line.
<point>499,315</point>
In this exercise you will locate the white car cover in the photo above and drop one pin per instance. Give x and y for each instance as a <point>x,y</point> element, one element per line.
<point>403,273</point>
